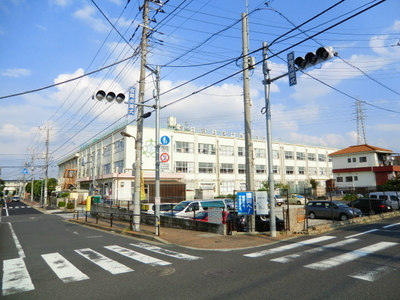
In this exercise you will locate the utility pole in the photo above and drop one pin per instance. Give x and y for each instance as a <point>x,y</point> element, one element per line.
<point>157,199</point>
<point>247,115</point>
<point>139,124</point>
<point>46,170</point>
<point>271,181</point>
<point>33,172</point>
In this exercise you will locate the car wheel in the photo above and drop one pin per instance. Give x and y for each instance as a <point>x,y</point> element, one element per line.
<point>298,203</point>
<point>279,204</point>
<point>264,218</point>
<point>343,217</point>
<point>312,215</point>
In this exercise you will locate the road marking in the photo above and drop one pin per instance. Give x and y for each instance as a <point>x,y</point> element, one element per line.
<point>288,258</point>
<point>66,271</point>
<point>16,278</point>
<point>21,252</point>
<point>391,225</point>
<point>104,262</point>
<point>365,232</point>
<point>166,252</point>
<point>138,256</point>
<point>341,259</point>
<point>288,247</point>
<point>373,274</point>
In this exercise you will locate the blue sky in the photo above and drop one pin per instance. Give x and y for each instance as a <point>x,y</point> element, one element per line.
<point>48,42</point>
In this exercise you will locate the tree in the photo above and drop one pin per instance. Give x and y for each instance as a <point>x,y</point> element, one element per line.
<point>313,183</point>
<point>277,185</point>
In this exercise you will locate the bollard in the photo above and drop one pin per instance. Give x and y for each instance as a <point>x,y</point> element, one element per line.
<point>130,223</point>
<point>97,218</point>
<point>111,219</point>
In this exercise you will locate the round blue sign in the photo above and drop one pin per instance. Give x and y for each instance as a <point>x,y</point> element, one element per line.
<point>165,140</point>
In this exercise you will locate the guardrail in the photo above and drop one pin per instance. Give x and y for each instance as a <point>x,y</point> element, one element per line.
<point>112,215</point>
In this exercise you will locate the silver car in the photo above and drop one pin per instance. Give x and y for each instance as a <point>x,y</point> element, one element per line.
<point>331,210</point>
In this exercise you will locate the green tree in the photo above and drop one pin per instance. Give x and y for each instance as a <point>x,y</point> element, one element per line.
<point>2,185</point>
<point>277,185</point>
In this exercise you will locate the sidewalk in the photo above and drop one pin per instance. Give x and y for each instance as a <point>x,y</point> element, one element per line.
<point>185,238</point>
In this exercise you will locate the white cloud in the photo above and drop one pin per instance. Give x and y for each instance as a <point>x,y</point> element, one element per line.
<point>61,2</point>
<point>16,72</point>
<point>87,14</point>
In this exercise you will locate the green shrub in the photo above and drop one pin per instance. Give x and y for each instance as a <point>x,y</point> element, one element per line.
<point>350,197</point>
<point>70,205</point>
<point>65,195</point>
<point>61,204</point>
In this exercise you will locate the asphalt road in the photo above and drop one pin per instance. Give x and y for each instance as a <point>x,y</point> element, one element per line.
<point>45,257</point>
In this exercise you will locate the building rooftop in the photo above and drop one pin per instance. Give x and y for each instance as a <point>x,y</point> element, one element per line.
<point>360,148</point>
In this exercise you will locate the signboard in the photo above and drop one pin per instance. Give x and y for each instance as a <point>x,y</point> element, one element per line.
<point>215,215</point>
<point>291,69</point>
<point>165,140</point>
<point>262,207</point>
<point>131,101</point>
<point>164,157</point>
<point>25,171</point>
<point>245,202</point>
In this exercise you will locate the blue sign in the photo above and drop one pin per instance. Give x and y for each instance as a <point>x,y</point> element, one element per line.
<point>165,140</point>
<point>291,69</point>
<point>131,101</point>
<point>245,202</point>
<point>25,171</point>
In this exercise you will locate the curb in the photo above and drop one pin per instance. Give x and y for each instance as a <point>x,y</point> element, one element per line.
<point>121,231</point>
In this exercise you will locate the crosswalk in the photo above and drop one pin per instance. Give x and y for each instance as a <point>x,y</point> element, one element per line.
<point>16,207</point>
<point>374,272</point>
<point>16,277</point>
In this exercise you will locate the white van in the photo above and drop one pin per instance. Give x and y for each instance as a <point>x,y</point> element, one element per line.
<point>187,209</point>
<point>393,198</point>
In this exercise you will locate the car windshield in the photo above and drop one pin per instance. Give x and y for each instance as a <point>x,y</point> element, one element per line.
<point>181,206</point>
<point>340,204</point>
<point>201,215</point>
<point>278,197</point>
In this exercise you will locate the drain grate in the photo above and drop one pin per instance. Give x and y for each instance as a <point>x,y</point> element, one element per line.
<point>159,271</point>
<point>219,272</point>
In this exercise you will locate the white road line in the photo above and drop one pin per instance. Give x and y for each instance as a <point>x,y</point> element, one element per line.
<point>391,225</point>
<point>104,262</point>
<point>341,259</point>
<point>21,252</point>
<point>372,275</point>
<point>66,271</point>
<point>365,232</point>
<point>288,247</point>
<point>166,252</point>
<point>138,256</point>
<point>288,258</point>
<point>16,278</point>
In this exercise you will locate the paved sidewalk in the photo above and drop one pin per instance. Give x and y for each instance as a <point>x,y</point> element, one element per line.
<point>186,238</point>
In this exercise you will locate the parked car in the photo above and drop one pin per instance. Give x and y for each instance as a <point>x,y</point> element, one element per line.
<point>203,216</point>
<point>15,199</point>
<point>230,204</point>
<point>297,199</point>
<point>392,198</point>
<point>151,209</point>
<point>325,209</point>
<point>279,200</point>
<point>188,209</point>
<point>262,223</point>
<point>371,206</point>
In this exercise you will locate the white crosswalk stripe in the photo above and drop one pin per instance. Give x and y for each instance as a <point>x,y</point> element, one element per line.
<point>166,252</point>
<point>16,278</point>
<point>343,258</point>
<point>66,271</point>
<point>104,262</point>
<point>289,246</point>
<point>288,258</point>
<point>138,256</point>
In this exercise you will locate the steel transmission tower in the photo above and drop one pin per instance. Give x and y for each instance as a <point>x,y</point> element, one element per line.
<point>361,139</point>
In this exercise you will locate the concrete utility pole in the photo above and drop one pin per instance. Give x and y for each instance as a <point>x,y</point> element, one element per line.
<point>46,170</point>
<point>247,115</point>
<point>271,181</point>
<point>157,199</point>
<point>139,124</point>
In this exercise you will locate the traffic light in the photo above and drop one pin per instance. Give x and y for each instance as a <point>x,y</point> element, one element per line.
<point>100,95</point>
<point>311,59</point>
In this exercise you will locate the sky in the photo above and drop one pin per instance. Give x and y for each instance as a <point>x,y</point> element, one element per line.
<point>56,54</point>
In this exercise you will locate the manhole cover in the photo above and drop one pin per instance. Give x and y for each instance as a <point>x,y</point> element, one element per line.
<point>159,271</point>
<point>219,272</point>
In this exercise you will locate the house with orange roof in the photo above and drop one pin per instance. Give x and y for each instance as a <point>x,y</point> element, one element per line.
<point>364,166</point>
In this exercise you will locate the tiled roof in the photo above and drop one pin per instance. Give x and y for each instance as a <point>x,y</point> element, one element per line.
<point>360,148</point>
